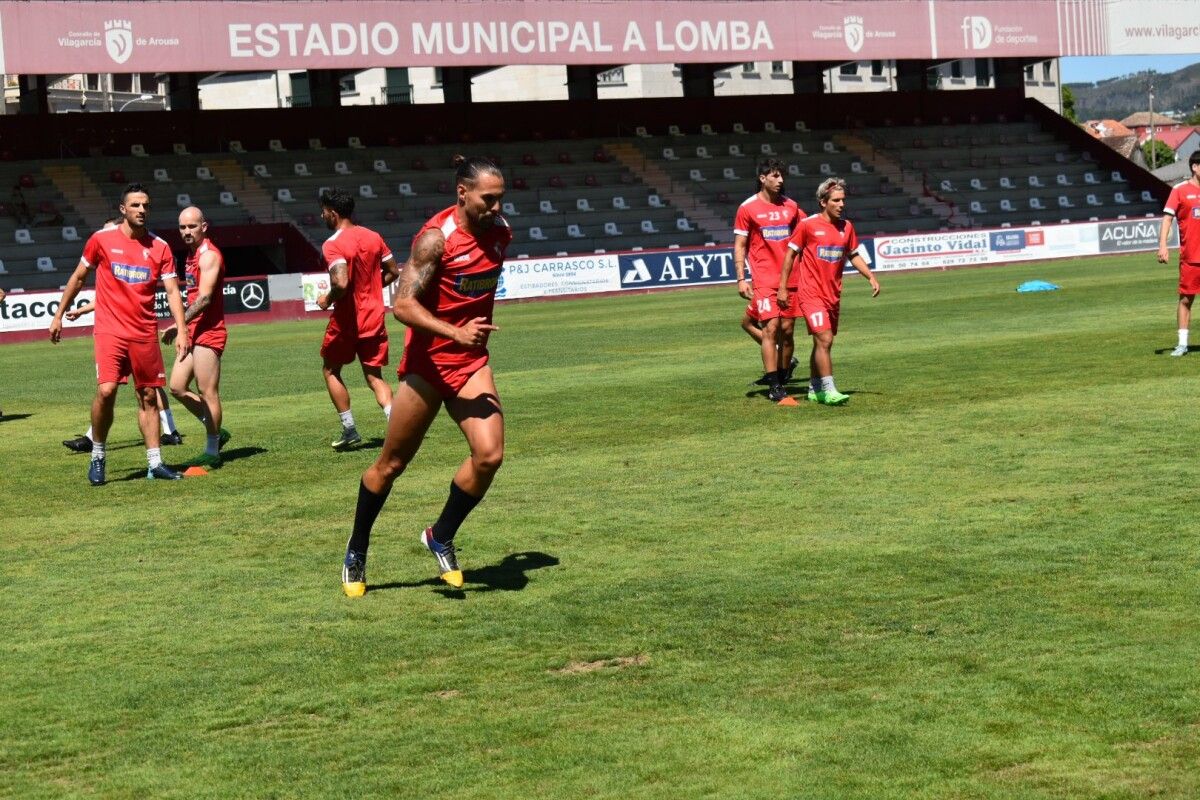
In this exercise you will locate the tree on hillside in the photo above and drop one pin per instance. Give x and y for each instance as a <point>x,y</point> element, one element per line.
<point>1162,154</point>
<point>1193,118</point>
<point>1068,103</point>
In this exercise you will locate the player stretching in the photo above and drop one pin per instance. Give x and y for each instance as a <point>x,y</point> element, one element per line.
<point>445,296</point>
<point>762,226</point>
<point>129,261</point>
<point>358,260</point>
<point>205,318</point>
<point>826,241</point>
<point>1183,205</point>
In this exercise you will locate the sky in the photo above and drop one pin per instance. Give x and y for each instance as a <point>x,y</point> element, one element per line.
<point>1089,69</point>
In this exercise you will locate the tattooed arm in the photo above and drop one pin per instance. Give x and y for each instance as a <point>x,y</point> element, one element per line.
<point>416,277</point>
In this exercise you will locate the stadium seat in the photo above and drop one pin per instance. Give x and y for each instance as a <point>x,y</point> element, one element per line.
<point>619,203</point>
<point>391,215</point>
<point>1065,202</point>
<point>826,168</point>
<point>590,180</point>
<point>138,150</point>
<point>26,181</point>
<point>655,201</point>
<point>856,166</point>
<point>355,143</point>
<point>1147,197</point>
<point>161,175</point>
<point>582,204</point>
<point>556,182</point>
<point>183,200</point>
<point>574,232</point>
<point>235,146</point>
<point>673,130</point>
<point>227,199</point>
<point>261,171</point>
<point>341,168</point>
<point>1062,180</point>
<point>728,174</point>
<point>45,264</point>
<point>1117,176</point>
<point>563,158</point>
<point>1006,205</point>
<point>696,176</point>
<point>535,233</point>
<point>321,190</point>
<point>1119,197</point>
<point>1006,183</point>
<point>285,196</point>
<point>309,220</point>
<point>69,234</point>
<point>798,148</point>
<point>800,126</point>
<point>1035,182</point>
<point>418,164</point>
<point>769,127</point>
<point>276,146</point>
<point>648,226</point>
<point>978,207</point>
<point>180,149</point>
<point>707,129</point>
<point>116,176</point>
<point>510,210</point>
<point>406,190</point>
<point>682,224</point>
<point>945,186</point>
<point>735,150</point>
<point>204,174</point>
<point>767,150</point>
<point>828,147</point>
<point>641,132</point>
<point>739,128</point>
<point>1092,200</point>
<point>1036,203</point>
<point>367,191</point>
<point>520,184</point>
<point>3,271</point>
<point>301,169</point>
<point>546,207</point>
<point>529,160</point>
<point>315,144</point>
<point>702,152</point>
<point>611,229</point>
<point>668,154</point>
<point>1061,158</point>
<point>380,166</point>
<point>1089,177</point>
<point>794,170</point>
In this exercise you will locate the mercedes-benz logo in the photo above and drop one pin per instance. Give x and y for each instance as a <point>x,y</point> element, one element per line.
<point>252,296</point>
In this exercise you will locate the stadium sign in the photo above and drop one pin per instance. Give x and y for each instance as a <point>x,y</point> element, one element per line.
<point>31,311</point>
<point>44,37</point>
<point>547,277</point>
<point>927,250</point>
<point>1131,235</point>
<point>240,296</point>
<point>676,268</point>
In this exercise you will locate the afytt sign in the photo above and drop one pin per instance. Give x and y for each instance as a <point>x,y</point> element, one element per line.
<point>677,268</point>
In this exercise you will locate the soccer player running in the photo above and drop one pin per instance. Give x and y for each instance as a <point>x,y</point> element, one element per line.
<point>129,261</point>
<point>825,241</point>
<point>360,265</point>
<point>1183,205</point>
<point>761,228</point>
<point>205,320</point>
<point>445,296</point>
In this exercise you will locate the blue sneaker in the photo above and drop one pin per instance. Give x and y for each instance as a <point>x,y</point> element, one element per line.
<point>446,558</point>
<point>163,473</point>
<point>96,472</point>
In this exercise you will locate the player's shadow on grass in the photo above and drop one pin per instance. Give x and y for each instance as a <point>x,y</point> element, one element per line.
<point>13,417</point>
<point>235,453</point>
<point>1192,348</point>
<point>510,575</point>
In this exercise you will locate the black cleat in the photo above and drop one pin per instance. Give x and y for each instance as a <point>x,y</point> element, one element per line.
<point>776,393</point>
<point>96,472</point>
<point>163,473</point>
<point>172,438</point>
<point>80,444</point>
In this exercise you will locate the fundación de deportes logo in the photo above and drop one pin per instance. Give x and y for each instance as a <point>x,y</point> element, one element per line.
<point>977,33</point>
<point>852,31</point>
<point>118,39</point>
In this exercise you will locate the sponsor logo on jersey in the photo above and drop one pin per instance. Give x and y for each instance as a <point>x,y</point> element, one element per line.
<point>478,283</point>
<point>130,273</point>
<point>776,233</point>
<point>830,252</point>
<point>460,259</point>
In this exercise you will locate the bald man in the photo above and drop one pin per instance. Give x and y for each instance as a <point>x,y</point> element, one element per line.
<point>205,320</point>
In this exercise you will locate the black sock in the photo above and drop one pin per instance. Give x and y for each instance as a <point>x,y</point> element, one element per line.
<point>368,508</point>
<point>458,505</point>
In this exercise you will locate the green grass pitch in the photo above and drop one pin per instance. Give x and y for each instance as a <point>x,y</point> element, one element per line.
<point>977,580</point>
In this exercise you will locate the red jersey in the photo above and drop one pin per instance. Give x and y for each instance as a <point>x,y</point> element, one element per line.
<point>213,317</point>
<point>127,276</point>
<point>767,226</point>
<point>1184,205</point>
<point>465,284</point>
<point>359,312</point>
<point>822,249</point>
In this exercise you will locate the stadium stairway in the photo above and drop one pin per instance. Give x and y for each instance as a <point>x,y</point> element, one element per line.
<point>651,174</point>
<point>81,192</point>
<point>250,194</point>
<point>890,169</point>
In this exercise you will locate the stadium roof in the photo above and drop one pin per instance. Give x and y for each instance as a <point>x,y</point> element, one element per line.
<point>40,37</point>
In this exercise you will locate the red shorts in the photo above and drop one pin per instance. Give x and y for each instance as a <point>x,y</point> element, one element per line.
<point>792,309</point>
<point>371,351</point>
<point>751,311</point>
<point>819,315</point>
<point>1189,278</point>
<point>447,378</point>
<point>213,339</point>
<point>765,304</point>
<point>117,358</point>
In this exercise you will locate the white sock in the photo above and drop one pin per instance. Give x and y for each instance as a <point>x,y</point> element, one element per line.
<point>347,419</point>
<point>89,433</point>
<point>154,456</point>
<point>212,445</point>
<point>97,448</point>
<point>168,420</point>
<point>1183,337</point>
<point>827,384</point>
<point>387,412</point>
